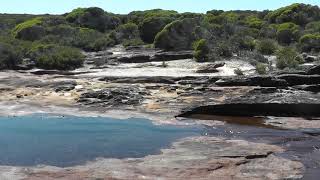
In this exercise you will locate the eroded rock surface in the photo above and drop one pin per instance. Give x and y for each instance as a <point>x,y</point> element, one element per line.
<point>190,158</point>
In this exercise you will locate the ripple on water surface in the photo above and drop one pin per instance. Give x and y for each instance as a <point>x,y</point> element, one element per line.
<point>67,140</point>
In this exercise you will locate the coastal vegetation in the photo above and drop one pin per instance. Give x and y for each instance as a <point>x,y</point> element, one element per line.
<point>56,41</point>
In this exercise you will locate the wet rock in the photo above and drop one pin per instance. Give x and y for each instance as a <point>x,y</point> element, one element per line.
<point>264,81</point>
<point>257,109</point>
<point>297,79</point>
<point>113,97</point>
<point>211,68</point>
<point>55,72</point>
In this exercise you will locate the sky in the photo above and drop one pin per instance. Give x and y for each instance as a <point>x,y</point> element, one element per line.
<point>126,6</point>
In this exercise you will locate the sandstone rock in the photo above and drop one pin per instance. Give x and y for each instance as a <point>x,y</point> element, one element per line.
<point>211,68</point>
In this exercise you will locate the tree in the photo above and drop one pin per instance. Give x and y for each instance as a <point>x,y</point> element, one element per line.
<point>201,50</point>
<point>178,35</point>
<point>287,33</point>
<point>300,14</point>
<point>151,26</point>
<point>94,18</point>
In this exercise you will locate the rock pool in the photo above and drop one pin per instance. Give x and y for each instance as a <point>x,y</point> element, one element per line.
<point>68,140</point>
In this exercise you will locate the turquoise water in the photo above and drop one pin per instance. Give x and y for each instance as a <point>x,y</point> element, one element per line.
<point>67,140</point>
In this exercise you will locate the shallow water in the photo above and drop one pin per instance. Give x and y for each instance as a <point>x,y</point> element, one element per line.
<point>67,140</point>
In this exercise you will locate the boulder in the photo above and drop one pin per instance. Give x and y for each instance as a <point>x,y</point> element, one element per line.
<point>210,68</point>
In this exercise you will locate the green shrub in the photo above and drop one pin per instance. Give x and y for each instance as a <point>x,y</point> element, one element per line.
<point>261,68</point>
<point>238,72</point>
<point>132,42</point>
<point>9,56</point>
<point>312,27</point>
<point>201,50</point>
<point>267,46</point>
<point>310,42</point>
<point>254,22</point>
<point>56,57</point>
<point>223,49</point>
<point>29,30</point>
<point>300,14</point>
<point>150,27</point>
<point>287,33</point>
<point>287,58</point>
<point>93,18</point>
<point>178,35</point>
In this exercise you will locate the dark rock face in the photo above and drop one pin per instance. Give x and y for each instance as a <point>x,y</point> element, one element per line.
<point>172,55</point>
<point>264,81</point>
<point>136,58</point>
<point>113,97</point>
<point>314,70</point>
<point>312,88</point>
<point>211,68</point>
<point>297,79</point>
<point>258,109</point>
<point>148,56</point>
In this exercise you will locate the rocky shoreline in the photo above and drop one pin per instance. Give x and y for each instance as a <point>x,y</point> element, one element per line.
<point>162,98</point>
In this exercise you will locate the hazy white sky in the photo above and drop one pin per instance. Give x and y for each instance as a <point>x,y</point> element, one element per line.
<point>125,6</point>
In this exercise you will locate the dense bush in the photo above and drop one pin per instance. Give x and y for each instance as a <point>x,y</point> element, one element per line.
<point>177,35</point>
<point>94,18</point>
<point>287,33</point>
<point>310,42</point>
<point>151,26</point>
<point>56,57</point>
<point>300,14</point>
<point>313,27</point>
<point>267,46</point>
<point>9,56</point>
<point>201,50</point>
<point>287,58</point>
<point>30,30</point>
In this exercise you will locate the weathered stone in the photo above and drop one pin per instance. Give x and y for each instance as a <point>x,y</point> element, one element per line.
<point>297,79</point>
<point>113,97</point>
<point>210,68</point>
<point>312,88</point>
<point>172,55</point>
<point>264,81</point>
<point>314,70</point>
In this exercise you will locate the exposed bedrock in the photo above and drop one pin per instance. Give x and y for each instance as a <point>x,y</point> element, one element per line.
<point>143,57</point>
<point>258,109</point>
<point>283,80</point>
